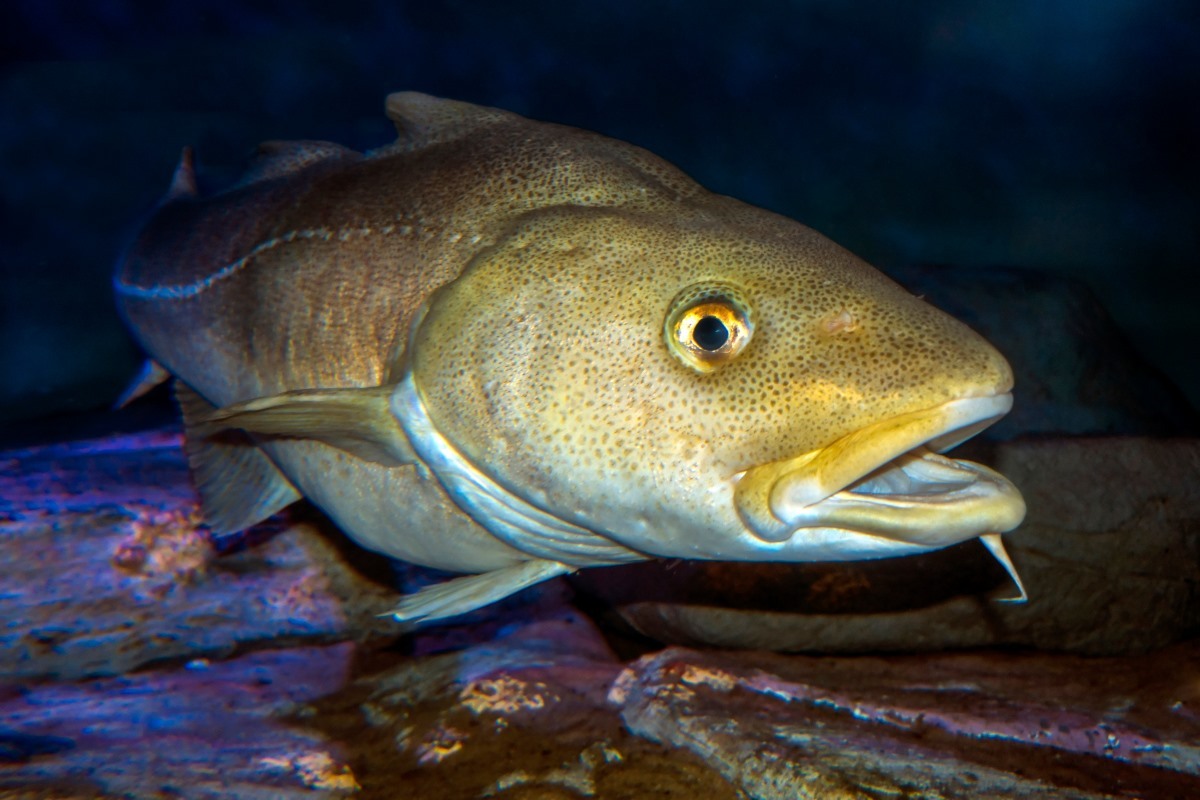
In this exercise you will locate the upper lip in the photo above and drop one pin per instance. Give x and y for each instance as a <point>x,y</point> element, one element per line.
<point>886,479</point>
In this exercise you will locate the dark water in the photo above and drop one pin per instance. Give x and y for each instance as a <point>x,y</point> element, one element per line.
<point>1048,135</point>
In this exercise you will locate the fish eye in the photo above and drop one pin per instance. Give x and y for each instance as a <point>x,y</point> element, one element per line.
<point>708,325</point>
<point>710,334</point>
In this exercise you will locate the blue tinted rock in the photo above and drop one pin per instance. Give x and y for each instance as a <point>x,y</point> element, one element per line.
<point>110,567</point>
<point>214,731</point>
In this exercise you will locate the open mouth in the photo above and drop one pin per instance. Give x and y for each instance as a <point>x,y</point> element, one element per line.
<point>889,480</point>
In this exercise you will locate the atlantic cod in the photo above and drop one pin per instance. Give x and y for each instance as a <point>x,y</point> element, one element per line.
<point>516,349</point>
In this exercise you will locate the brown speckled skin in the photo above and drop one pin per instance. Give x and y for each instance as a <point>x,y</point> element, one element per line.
<point>542,358</point>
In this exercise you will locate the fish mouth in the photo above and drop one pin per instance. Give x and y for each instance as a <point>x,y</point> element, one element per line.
<point>889,480</point>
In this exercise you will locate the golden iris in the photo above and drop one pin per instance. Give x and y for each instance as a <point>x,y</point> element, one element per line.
<point>708,325</point>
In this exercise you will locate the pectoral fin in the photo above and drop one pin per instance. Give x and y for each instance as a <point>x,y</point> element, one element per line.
<point>238,484</point>
<point>460,595</point>
<point>358,421</point>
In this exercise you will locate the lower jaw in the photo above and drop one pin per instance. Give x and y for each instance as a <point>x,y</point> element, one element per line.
<point>989,504</point>
<point>775,499</point>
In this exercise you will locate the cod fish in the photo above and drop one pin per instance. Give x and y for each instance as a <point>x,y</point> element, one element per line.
<point>516,349</point>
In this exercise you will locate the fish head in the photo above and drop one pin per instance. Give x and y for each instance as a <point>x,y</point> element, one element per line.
<point>713,381</point>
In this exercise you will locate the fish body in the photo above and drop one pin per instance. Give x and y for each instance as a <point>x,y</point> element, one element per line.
<point>514,349</point>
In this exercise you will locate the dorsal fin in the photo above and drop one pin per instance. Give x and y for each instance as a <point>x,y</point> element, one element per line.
<point>238,484</point>
<point>422,120</point>
<point>277,159</point>
<point>183,182</point>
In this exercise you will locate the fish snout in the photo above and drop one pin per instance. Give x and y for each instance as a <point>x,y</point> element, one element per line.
<point>996,374</point>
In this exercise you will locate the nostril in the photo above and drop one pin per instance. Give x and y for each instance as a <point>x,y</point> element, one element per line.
<point>841,322</point>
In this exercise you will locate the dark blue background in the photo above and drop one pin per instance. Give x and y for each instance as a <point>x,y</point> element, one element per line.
<point>1048,134</point>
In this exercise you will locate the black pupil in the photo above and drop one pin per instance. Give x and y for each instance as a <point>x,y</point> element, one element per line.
<point>710,334</point>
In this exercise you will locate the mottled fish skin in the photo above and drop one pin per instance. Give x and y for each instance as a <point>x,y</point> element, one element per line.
<point>515,275</point>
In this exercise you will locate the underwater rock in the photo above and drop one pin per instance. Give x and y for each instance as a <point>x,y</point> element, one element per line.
<point>1076,371</point>
<point>1109,552</point>
<point>951,726</point>
<point>107,567</point>
<point>210,730</point>
<point>521,716</point>
<point>545,709</point>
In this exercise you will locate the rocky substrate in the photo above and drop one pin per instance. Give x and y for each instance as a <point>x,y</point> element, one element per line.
<point>142,659</point>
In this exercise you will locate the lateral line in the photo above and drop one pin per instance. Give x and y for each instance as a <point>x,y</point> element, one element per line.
<point>183,291</point>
